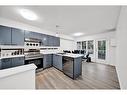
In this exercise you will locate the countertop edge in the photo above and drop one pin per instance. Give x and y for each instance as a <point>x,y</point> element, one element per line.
<point>16,70</point>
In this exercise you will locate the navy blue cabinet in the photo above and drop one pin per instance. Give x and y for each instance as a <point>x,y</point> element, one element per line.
<point>14,36</point>
<point>53,41</point>
<point>5,35</point>
<point>18,61</point>
<point>30,34</point>
<point>57,62</point>
<point>5,63</point>
<point>56,41</point>
<point>47,60</point>
<point>11,62</point>
<point>17,37</point>
<point>44,39</point>
<point>50,40</point>
<point>47,40</point>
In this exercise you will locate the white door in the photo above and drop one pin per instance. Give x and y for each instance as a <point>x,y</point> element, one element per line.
<point>101,50</point>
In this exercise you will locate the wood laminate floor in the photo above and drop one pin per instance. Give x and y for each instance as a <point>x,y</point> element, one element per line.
<point>94,76</point>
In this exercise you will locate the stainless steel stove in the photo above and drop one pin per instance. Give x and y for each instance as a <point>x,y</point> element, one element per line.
<point>34,58</point>
<point>30,56</point>
<point>32,53</point>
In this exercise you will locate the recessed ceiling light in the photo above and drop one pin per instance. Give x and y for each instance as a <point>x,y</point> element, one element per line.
<point>78,34</point>
<point>27,14</point>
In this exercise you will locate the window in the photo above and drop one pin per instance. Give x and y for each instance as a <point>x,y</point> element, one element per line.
<point>84,46</point>
<point>79,45</point>
<point>102,49</point>
<point>90,47</point>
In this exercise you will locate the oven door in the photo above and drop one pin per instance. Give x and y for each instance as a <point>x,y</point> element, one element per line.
<point>37,62</point>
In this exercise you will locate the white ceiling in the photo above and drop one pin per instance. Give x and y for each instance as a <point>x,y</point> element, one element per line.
<point>71,19</point>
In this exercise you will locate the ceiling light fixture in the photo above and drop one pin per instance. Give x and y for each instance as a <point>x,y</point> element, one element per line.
<point>78,34</point>
<point>27,14</point>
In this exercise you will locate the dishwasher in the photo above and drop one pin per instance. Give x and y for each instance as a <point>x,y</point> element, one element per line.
<point>68,68</point>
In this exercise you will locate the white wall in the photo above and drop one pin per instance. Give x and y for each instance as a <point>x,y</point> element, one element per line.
<point>122,48</point>
<point>66,44</point>
<point>111,51</point>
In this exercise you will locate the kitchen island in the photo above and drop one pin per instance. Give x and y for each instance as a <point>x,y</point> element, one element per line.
<point>70,64</point>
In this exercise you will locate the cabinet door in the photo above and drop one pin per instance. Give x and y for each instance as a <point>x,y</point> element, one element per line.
<point>35,35</point>
<point>77,67</point>
<point>44,39</point>
<point>18,61</point>
<point>5,35</point>
<point>56,41</point>
<point>44,61</point>
<point>6,63</point>
<point>50,41</point>
<point>47,60</point>
<point>17,36</point>
<point>29,34</point>
<point>57,62</point>
<point>54,60</point>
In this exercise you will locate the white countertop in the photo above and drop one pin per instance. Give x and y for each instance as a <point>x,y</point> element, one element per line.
<point>70,55</point>
<point>66,54</point>
<point>12,56</point>
<point>73,55</point>
<point>15,70</point>
<point>49,52</point>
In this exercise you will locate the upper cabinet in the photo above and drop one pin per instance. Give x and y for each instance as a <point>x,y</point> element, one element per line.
<point>53,41</point>
<point>50,40</point>
<point>56,41</point>
<point>44,39</point>
<point>17,37</point>
<point>14,36</point>
<point>30,34</point>
<point>5,35</point>
<point>47,40</point>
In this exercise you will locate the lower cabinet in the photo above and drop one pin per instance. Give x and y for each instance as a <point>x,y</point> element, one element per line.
<point>57,62</point>
<point>12,62</point>
<point>6,63</point>
<point>47,60</point>
<point>17,61</point>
